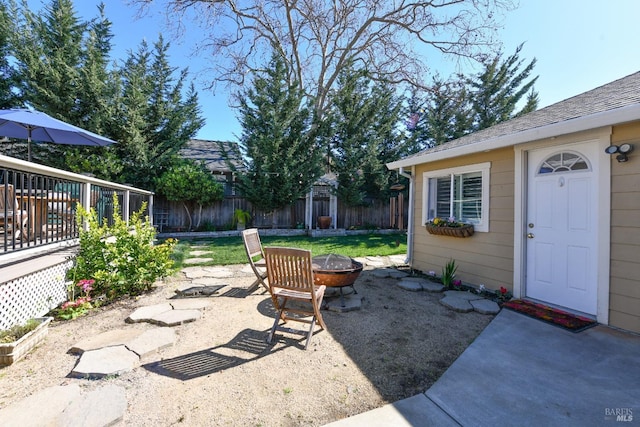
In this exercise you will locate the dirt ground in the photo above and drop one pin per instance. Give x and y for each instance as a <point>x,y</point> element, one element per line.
<point>221,371</point>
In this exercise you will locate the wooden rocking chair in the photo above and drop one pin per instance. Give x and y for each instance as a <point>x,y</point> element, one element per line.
<point>290,276</point>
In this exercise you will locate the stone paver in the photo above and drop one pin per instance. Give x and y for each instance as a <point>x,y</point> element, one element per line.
<point>151,341</point>
<point>374,261</point>
<point>104,406</point>
<point>199,290</point>
<point>105,339</point>
<point>410,285</point>
<point>219,272</point>
<point>247,269</point>
<point>332,292</point>
<point>434,287</point>
<point>191,261</point>
<point>105,362</point>
<point>465,302</point>
<point>199,253</point>
<point>190,304</point>
<point>175,317</point>
<point>485,306</point>
<point>457,304</point>
<point>398,260</point>
<point>389,272</point>
<point>194,272</point>
<point>419,284</point>
<point>142,314</point>
<point>345,303</point>
<point>49,402</point>
<point>68,406</point>
<point>468,296</point>
<point>210,281</point>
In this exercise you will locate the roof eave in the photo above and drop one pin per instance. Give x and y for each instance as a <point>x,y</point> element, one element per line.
<point>593,121</point>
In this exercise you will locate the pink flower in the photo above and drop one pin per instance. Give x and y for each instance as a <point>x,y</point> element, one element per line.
<point>457,282</point>
<point>503,290</point>
<point>86,285</point>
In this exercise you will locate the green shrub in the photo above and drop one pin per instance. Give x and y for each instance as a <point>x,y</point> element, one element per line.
<point>121,258</point>
<point>449,274</point>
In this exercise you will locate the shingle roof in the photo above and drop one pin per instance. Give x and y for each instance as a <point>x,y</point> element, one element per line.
<point>617,94</point>
<point>210,153</point>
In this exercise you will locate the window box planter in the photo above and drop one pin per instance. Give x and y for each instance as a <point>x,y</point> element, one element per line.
<point>464,231</point>
<point>14,351</point>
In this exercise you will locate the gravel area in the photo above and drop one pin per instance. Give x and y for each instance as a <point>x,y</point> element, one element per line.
<point>221,371</point>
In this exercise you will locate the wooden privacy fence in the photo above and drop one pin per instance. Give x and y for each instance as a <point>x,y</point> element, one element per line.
<point>219,216</point>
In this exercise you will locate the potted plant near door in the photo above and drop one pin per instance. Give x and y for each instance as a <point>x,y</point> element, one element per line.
<point>241,218</point>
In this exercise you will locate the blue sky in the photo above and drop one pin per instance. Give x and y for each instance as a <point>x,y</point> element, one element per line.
<point>579,45</point>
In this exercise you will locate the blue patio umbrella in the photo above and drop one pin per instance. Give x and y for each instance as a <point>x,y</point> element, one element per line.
<point>37,126</point>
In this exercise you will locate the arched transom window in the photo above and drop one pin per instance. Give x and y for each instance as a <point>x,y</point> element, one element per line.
<point>564,162</point>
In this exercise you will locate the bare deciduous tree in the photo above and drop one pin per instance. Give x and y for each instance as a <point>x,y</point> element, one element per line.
<point>318,38</point>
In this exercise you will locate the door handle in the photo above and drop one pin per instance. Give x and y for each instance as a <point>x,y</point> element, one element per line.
<point>530,235</point>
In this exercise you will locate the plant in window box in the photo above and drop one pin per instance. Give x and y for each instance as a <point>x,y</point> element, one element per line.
<point>449,227</point>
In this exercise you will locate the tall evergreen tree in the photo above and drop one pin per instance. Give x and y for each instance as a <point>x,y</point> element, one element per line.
<point>63,68</point>
<point>445,113</point>
<point>154,118</point>
<point>9,95</point>
<point>49,51</point>
<point>282,157</point>
<point>461,105</point>
<point>384,143</point>
<point>498,88</point>
<point>363,136</point>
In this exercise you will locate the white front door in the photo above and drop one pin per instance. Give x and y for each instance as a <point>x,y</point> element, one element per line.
<point>561,226</point>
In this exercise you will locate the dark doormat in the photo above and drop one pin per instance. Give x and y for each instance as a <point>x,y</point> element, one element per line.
<point>553,316</point>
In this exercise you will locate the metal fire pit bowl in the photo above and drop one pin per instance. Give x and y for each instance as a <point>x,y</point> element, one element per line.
<point>335,270</point>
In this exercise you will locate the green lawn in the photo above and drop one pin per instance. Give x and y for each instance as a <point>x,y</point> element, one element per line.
<point>230,250</point>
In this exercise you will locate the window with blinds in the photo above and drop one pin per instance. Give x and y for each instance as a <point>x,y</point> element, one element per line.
<point>461,193</point>
<point>464,203</point>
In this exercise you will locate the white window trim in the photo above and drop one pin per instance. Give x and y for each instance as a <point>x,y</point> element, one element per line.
<point>484,168</point>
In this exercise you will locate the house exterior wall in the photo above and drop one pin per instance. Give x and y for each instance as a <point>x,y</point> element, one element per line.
<point>484,258</point>
<point>624,292</point>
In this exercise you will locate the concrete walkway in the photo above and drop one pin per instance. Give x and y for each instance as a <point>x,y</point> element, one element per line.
<point>523,372</point>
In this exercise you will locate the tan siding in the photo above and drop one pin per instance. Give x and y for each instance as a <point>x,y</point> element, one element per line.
<point>626,201</point>
<point>484,258</point>
<point>625,133</point>
<point>624,291</point>
<point>623,252</point>
<point>627,235</point>
<point>625,304</point>
<point>626,287</point>
<point>624,321</point>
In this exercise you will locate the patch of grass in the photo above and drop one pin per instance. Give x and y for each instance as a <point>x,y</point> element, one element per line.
<point>230,250</point>
<point>180,252</point>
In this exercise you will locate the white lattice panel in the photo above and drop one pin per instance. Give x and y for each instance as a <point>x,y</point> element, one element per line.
<point>33,295</point>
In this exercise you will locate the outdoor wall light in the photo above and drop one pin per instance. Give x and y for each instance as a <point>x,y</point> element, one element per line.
<point>622,151</point>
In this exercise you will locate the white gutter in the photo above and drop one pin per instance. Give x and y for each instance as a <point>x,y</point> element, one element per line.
<point>410,227</point>
<point>605,118</point>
